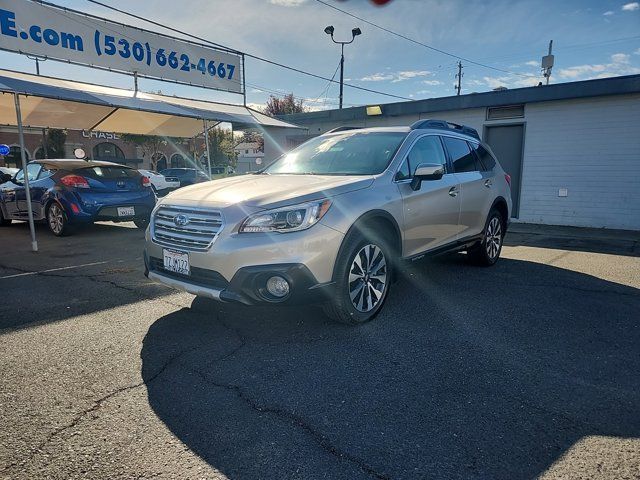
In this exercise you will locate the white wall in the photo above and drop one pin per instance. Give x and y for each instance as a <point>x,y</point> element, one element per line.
<point>591,147</point>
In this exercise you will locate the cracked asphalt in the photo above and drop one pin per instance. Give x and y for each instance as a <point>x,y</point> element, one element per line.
<point>526,370</point>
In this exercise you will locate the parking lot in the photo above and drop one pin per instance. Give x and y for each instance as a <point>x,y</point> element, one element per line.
<point>526,369</point>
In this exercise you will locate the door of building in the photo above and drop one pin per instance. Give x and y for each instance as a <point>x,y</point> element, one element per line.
<point>507,141</point>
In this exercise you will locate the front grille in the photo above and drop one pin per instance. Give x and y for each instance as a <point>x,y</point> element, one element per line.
<point>199,276</point>
<point>197,235</point>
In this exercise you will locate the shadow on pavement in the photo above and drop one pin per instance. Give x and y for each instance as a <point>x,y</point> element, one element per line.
<point>467,373</point>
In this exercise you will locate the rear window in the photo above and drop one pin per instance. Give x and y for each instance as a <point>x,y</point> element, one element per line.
<point>108,173</point>
<point>173,172</point>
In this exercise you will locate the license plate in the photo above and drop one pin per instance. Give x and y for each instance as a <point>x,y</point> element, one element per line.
<point>177,262</point>
<point>126,211</point>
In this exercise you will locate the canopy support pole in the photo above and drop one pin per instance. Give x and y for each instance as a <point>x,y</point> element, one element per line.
<point>244,83</point>
<point>32,228</point>
<point>206,144</point>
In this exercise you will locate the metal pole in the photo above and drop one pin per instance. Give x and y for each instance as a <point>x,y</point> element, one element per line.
<point>135,84</point>
<point>244,83</point>
<point>206,144</point>
<point>548,75</point>
<point>341,73</point>
<point>32,228</point>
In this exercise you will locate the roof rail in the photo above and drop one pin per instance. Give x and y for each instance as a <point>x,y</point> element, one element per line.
<point>343,129</point>
<point>444,125</point>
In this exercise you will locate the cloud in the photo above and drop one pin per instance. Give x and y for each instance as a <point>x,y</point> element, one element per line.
<point>608,13</point>
<point>619,65</point>
<point>396,77</point>
<point>631,7</point>
<point>532,63</point>
<point>432,82</point>
<point>637,52</point>
<point>287,3</point>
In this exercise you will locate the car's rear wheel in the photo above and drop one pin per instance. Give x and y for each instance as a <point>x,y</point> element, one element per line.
<point>4,221</point>
<point>57,220</point>
<point>363,278</point>
<point>487,251</point>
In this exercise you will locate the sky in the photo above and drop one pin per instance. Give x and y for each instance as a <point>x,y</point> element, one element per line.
<point>591,39</point>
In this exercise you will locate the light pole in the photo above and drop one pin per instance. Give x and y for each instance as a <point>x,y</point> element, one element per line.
<point>354,33</point>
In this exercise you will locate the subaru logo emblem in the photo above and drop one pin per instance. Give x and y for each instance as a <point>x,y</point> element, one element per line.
<point>181,220</point>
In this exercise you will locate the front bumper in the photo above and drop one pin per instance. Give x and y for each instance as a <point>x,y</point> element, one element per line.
<point>248,284</point>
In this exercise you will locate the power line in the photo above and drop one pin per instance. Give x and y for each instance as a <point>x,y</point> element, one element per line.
<point>255,57</point>
<point>421,43</point>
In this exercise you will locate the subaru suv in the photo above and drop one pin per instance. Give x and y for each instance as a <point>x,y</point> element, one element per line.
<point>329,221</point>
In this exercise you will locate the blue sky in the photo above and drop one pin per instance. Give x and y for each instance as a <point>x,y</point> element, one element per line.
<point>592,39</point>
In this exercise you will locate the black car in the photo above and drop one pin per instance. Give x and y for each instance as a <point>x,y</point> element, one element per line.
<point>186,176</point>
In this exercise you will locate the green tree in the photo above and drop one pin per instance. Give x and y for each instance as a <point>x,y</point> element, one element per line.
<point>149,144</point>
<point>282,106</point>
<point>221,147</point>
<point>54,143</point>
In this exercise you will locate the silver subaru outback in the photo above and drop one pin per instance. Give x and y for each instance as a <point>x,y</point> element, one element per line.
<point>329,221</point>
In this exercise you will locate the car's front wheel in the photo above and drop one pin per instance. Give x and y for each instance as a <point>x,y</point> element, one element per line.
<point>487,251</point>
<point>57,220</point>
<point>363,278</point>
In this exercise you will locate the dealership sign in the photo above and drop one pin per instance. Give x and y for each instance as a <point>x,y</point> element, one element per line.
<point>49,31</point>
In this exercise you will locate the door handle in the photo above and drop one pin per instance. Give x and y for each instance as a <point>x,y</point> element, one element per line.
<point>488,183</point>
<point>453,191</point>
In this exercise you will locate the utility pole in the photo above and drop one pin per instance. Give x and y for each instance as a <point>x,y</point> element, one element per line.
<point>459,76</point>
<point>547,63</point>
<point>354,33</point>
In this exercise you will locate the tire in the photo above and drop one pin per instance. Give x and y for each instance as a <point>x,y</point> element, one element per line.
<point>360,290</point>
<point>487,252</point>
<point>57,220</point>
<point>4,222</point>
<point>141,223</point>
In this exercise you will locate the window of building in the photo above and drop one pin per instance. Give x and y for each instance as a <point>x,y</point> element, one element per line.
<point>461,157</point>
<point>107,151</point>
<point>178,161</point>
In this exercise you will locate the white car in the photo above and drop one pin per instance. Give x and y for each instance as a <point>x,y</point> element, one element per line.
<point>160,183</point>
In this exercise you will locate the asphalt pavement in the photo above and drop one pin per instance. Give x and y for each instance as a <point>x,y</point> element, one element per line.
<point>528,369</point>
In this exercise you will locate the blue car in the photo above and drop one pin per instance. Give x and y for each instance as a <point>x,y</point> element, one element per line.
<point>66,193</point>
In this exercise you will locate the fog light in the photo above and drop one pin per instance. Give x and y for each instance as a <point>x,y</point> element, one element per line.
<point>277,286</point>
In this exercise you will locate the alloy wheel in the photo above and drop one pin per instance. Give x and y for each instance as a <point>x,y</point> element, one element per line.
<point>56,219</point>
<point>493,239</point>
<point>367,278</point>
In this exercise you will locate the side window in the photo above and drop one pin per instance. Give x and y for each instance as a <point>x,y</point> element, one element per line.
<point>32,170</point>
<point>461,157</point>
<point>487,162</point>
<point>46,172</point>
<point>427,149</point>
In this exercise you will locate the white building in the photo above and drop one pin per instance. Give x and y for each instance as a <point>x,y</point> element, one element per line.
<point>249,157</point>
<point>572,149</point>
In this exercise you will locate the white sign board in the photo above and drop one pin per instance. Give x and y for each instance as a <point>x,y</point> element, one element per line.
<point>52,32</point>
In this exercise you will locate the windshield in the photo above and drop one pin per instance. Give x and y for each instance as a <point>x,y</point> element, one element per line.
<point>351,153</point>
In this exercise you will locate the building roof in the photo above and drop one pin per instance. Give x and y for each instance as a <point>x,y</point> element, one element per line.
<point>246,146</point>
<point>559,91</point>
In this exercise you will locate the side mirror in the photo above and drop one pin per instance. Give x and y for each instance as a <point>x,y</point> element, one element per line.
<point>426,171</point>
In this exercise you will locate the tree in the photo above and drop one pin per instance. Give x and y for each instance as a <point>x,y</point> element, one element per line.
<point>150,146</point>
<point>221,147</point>
<point>252,137</point>
<point>54,143</point>
<point>282,106</point>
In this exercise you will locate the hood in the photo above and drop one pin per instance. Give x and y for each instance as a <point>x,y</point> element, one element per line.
<point>269,190</point>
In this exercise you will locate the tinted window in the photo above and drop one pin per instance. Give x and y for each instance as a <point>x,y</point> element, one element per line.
<point>426,150</point>
<point>46,172</point>
<point>487,162</point>
<point>352,153</point>
<point>461,157</point>
<point>105,173</point>
<point>33,170</point>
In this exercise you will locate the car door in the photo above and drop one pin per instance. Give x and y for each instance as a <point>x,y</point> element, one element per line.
<point>38,188</point>
<point>431,212</point>
<point>20,207</point>
<point>474,193</point>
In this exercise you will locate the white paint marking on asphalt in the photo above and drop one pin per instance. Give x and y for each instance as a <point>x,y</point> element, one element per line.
<point>53,270</point>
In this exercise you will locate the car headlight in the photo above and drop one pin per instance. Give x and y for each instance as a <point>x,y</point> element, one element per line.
<point>286,219</point>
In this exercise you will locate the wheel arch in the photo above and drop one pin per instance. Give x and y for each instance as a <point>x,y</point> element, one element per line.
<point>500,204</point>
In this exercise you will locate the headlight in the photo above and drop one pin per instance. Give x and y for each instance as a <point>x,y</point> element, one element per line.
<point>286,219</point>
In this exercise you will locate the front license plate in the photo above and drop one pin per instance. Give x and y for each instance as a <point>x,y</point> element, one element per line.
<point>177,262</point>
<point>126,211</point>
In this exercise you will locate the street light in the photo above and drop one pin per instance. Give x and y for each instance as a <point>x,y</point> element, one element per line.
<point>354,33</point>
